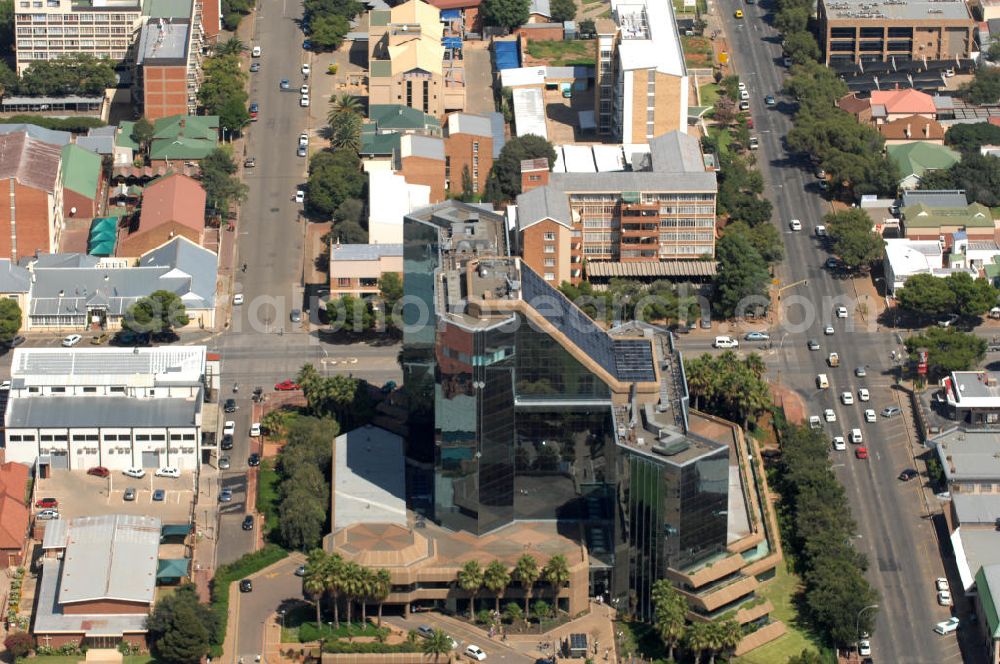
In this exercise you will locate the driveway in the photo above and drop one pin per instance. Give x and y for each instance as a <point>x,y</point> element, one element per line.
<point>253,612</point>
<point>478,78</point>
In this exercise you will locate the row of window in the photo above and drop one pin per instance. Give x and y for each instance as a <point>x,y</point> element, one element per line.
<point>75,31</point>
<point>93,437</point>
<point>86,17</point>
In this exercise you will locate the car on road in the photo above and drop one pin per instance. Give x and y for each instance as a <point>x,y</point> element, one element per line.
<point>304,101</point>
<point>303,139</point>
<point>870,415</point>
<point>814,422</point>
<point>822,381</point>
<point>159,495</point>
<point>820,230</point>
<point>745,106</point>
<point>229,428</point>
<point>304,90</point>
<point>98,471</point>
<point>295,316</point>
<point>168,471</point>
<point>856,437</point>
<point>284,85</point>
<point>254,460</point>
<point>908,474</point>
<point>891,411</point>
<point>947,627</point>
<point>255,430</point>
<point>302,151</point>
<point>847,398</point>
<point>861,453</point>
<point>247,522</point>
<point>841,312</point>
<point>47,515</point>
<point>255,67</point>
<point>300,196</point>
<point>833,360</point>
<point>828,330</point>
<point>306,44</point>
<point>941,583</point>
<point>829,415</point>
<point>948,321</point>
<point>285,386</point>
<point>860,372</point>
<point>795,225</point>
<point>756,336</point>
<point>300,570</point>
<point>226,496</point>
<point>786,61</point>
<point>864,647</point>
<point>238,299</point>
<point>741,86</point>
<point>832,263</point>
<point>254,110</point>
<point>227,442</point>
<point>230,406</point>
<point>47,503</point>
<point>839,444</point>
<point>769,101</point>
<point>738,13</point>
<point>306,69</point>
<point>475,652</point>
<point>863,394</point>
<point>944,598</point>
<point>129,494</point>
<point>725,342</point>
<point>744,94</point>
<point>72,340</point>
<point>137,473</point>
<point>224,463</point>
<point>256,52</point>
<point>754,143</point>
<point>246,586</point>
<point>812,344</point>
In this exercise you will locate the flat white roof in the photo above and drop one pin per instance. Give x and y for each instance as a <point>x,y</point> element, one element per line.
<point>520,76</point>
<point>649,38</point>
<point>369,478</point>
<point>109,366</point>
<point>529,112</point>
<point>912,256</point>
<point>391,197</point>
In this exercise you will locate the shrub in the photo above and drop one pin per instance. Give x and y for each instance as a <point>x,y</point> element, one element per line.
<point>19,644</point>
<point>78,125</point>
<point>484,617</point>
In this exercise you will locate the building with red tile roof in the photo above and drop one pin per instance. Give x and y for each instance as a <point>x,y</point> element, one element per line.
<point>912,128</point>
<point>889,105</point>
<point>14,513</point>
<point>171,206</point>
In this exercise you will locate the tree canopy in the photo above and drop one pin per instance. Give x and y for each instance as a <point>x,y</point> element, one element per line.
<point>743,277</point>
<point>504,183</point>
<point>977,174</point>
<point>508,14</point>
<point>10,319</point>
<point>180,627</point>
<point>854,239</point>
<point>948,349</point>
<point>327,22</point>
<point>220,181</point>
<point>162,311</point>
<point>562,10</point>
<point>223,90</point>
<point>334,177</point>
<point>958,293</point>
<point>76,74</point>
<point>729,386</point>
<point>984,88</point>
<point>970,137</point>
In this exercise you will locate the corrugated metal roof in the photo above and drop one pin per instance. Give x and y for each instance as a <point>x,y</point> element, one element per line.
<point>98,144</point>
<point>13,278</point>
<point>499,127</point>
<point>51,136</point>
<point>174,198</point>
<point>529,112</point>
<point>675,151</point>
<point>364,252</point>
<point>467,123</point>
<point>31,162</point>
<point>163,364</point>
<point>36,412</point>
<point>50,619</point>
<point>607,269</point>
<point>428,147</point>
<point>81,170</point>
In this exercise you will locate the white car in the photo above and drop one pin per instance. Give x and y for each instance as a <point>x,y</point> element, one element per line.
<point>744,94</point>
<point>828,330</point>
<point>947,627</point>
<point>944,598</point>
<point>305,69</point>
<point>847,398</point>
<point>300,196</point>
<point>941,584</point>
<point>839,444</point>
<point>863,394</point>
<point>856,436</point>
<point>864,647</point>
<point>304,90</point>
<point>795,225</point>
<point>168,471</point>
<point>255,430</point>
<point>137,473</point>
<point>229,428</point>
<point>725,342</point>
<point>742,86</point>
<point>238,298</point>
<point>870,415</point>
<point>829,415</point>
<point>475,652</point>
<point>303,140</point>
<point>814,422</point>
<point>71,340</point>
<point>304,101</point>
<point>841,312</point>
<point>5,386</point>
<point>255,53</point>
<point>821,231</point>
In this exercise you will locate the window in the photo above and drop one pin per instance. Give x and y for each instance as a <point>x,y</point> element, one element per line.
<point>344,282</point>
<point>89,390</point>
<point>57,390</point>
<point>549,276</point>
<point>550,262</point>
<point>534,178</point>
<point>427,98</point>
<point>550,249</point>
<point>550,237</point>
<point>409,93</point>
<point>475,147</point>
<point>159,436</point>
<point>119,389</point>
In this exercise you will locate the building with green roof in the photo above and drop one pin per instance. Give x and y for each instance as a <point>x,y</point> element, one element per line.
<point>988,599</point>
<point>923,222</point>
<point>186,137</point>
<point>397,117</point>
<point>124,136</point>
<point>81,172</point>
<point>915,159</point>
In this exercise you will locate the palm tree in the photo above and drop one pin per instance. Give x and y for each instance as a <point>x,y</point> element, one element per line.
<point>670,611</point>
<point>437,644</point>
<point>556,573</point>
<point>232,46</point>
<point>345,132</point>
<point>715,637</point>
<point>366,586</point>
<point>314,580</point>
<point>333,574</point>
<point>353,585</point>
<point>343,104</point>
<point>730,635</point>
<point>381,587</point>
<point>698,638</point>
<point>526,571</point>
<point>470,579</point>
<point>496,578</point>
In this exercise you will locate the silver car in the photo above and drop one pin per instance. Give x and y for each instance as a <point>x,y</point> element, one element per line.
<point>224,463</point>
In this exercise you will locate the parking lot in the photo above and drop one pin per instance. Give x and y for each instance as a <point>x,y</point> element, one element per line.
<point>80,494</point>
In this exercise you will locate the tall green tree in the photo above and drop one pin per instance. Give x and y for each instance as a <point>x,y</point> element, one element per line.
<point>381,588</point>
<point>854,238</point>
<point>806,657</point>
<point>334,575</point>
<point>509,14</point>
<point>743,278</point>
<point>926,295</point>
<point>948,350</point>
<point>142,133</point>
<point>327,32</point>
<point>437,644</point>
<point>556,574</point>
<point>334,177</point>
<point>977,174</point>
<point>222,185</point>
<point>984,88</point>
<point>562,10</point>
<point>179,627</point>
<point>970,137</point>
<point>470,579</point>
<point>7,27</point>
<point>72,74</point>
<point>496,578</point>
<point>345,132</point>
<point>504,182</point>
<point>352,585</point>
<point>314,581</point>
<point>10,319</point>
<point>160,311</point>
<point>526,572</point>
<point>670,613</point>
<point>343,104</point>
<point>232,46</point>
<point>698,638</point>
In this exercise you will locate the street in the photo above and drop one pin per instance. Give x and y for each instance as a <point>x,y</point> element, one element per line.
<point>254,611</point>
<point>895,529</point>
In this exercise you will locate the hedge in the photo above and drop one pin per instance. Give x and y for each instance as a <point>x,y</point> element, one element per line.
<point>369,647</point>
<point>76,125</point>
<point>234,571</point>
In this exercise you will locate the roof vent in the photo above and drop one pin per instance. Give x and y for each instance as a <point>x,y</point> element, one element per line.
<point>673,449</point>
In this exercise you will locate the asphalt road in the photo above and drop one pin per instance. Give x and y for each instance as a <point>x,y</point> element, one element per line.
<point>276,589</point>
<point>893,527</point>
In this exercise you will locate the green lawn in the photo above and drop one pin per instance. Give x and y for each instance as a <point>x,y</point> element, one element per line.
<point>723,136</point>
<point>709,94</point>
<point>679,7</point>
<point>564,53</point>
<point>781,591</point>
<point>267,494</point>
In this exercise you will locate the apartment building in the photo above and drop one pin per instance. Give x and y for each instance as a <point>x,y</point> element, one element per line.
<point>662,213</point>
<point>168,68</point>
<point>642,81</point>
<point>469,148</point>
<point>895,30</point>
<point>411,61</point>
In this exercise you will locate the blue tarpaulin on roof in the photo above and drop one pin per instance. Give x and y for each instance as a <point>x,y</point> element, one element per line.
<point>452,42</point>
<point>450,14</point>
<point>507,56</point>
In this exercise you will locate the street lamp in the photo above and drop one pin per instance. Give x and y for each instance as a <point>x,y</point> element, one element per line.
<point>857,621</point>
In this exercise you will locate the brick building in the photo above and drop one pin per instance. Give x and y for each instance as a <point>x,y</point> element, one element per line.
<point>468,145</point>
<point>168,68</point>
<point>171,206</point>
<point>30,171</point>
<point>82,182</point>
<point>421,160</point>
<point>355,269</point>
<point>14,513</point>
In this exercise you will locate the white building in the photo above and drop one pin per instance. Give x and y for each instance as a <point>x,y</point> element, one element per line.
<point>905,258</point>
<point>390,198</point>
<point>76,408</point>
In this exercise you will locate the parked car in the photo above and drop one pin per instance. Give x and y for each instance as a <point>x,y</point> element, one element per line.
<point>908,474</point>
<point>864,647</point>
<point>226,496</point>
<point>246,586</point>
<point>159,495</point>
<point>302,151</point>
<point>475,652</point>
<point>254,460</point>
<point>254,110</point>
<point>300,196</point>
<point>247,522</point>
<point>47,503</point>
<point>137,473</point>
<point>71,340</point>
<point>306,69</point>
<point>944,598</point>
<point>16,341</point>
<point>770,101</point>
<point>227,442</point>
<point>129,494</point>
<point>47,515</point>
<point>228,428</point>
<point>255,430</point>
<point>941,583</point>
<point>304,101</point>
<point>168,471</point>
<point>757,336</point>
<point>304,90</point>
<point>224,463</point>
<point>286,385</point>
<point>303,139</point>
<point>300,570</point>
<point>238,299</point>
<point>98,471</point>
<point>256,52</point>
<point>948,321</point>
<point>891,411</point>
<point>255,67</point>
<point>230,406</point>
<point>947,627</point>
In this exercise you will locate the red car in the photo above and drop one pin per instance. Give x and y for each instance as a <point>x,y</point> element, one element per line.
<point>47,503</point>
<point>99,471</point>
<point>861,453</point>
<point>286,385</point>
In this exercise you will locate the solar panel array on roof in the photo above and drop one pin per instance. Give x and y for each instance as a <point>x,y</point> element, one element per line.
<point>634,360</point>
